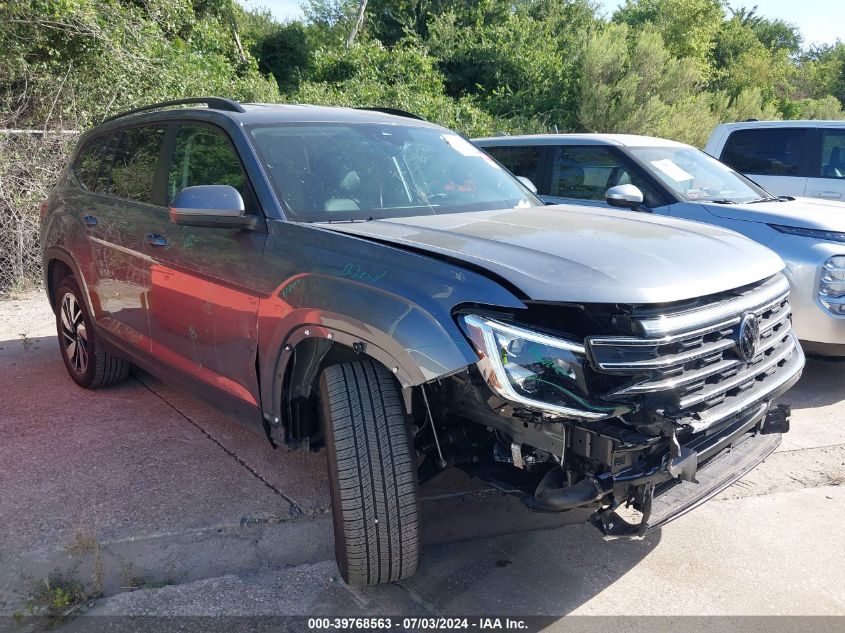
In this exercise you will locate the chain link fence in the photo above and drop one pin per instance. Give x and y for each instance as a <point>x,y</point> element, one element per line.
<point>30,162</point>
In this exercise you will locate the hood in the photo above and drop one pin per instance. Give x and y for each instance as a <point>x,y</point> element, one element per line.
<point>575,254</point>
<point>807,213</point>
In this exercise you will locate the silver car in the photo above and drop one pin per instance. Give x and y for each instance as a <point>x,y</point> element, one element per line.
<point>658,176</point>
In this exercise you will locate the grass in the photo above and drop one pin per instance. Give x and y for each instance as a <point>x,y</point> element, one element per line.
<point>132,580</point>
<point>59,595</point>
<point>26,341</point>
<point>85,542</point>
<point>19,288</point>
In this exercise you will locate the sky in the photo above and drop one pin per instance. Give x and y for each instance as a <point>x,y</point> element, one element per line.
<point>820,21</point>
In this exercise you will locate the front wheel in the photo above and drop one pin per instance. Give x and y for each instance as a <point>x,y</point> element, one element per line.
<point>87,361</point>
<point>372,474</point>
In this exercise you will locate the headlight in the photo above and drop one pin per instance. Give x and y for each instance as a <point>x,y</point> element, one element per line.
<point>533,369</point>
<point>819,234</point>
<point>832,285</point>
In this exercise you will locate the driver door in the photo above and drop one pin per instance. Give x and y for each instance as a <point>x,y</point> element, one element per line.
<point>583,174</point>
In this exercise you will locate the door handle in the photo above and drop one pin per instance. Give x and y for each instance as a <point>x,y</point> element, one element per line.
<point>827,194</point>
<point>90,220</point>
<point>156,240</point>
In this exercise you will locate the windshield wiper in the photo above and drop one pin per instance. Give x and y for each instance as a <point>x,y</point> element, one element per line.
<point>721,201</point>
<point>767,199</point>
<point>350,220</point>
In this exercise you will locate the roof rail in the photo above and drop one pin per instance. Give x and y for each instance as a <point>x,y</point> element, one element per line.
<point>218,103</point>
<point>394,112</point>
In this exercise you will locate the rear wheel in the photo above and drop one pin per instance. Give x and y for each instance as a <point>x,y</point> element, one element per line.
<point>86,360</point>
<point>372,474</point>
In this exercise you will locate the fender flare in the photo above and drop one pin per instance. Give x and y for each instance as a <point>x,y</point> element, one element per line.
<point>55,253</point>
<point>399,362</point>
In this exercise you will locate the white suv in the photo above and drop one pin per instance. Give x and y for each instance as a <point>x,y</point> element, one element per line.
<point>788,158</point>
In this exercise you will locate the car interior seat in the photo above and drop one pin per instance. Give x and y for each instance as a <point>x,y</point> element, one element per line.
<point>570,181</point>
<point>834,168</point>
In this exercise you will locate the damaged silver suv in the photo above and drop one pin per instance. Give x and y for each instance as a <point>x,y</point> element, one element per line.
<point>374,285</point>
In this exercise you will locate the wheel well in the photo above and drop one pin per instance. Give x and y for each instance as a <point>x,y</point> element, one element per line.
<point>299,391</point>
<point>56,271</point>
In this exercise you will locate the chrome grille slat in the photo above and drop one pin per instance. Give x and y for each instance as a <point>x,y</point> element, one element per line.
<point>769,292</point>
<point>686,378</point>
<point>747,374</point>
<point>696,363</point>
<point>714,415</point>
<point>673,359</point>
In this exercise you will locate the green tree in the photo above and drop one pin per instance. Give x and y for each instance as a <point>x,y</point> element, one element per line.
<point>688,27</point>
<point>741,61</point>
<point>79,60</point>
<point>631,83</point>
<point>524,61</point>
<point>286,54</point>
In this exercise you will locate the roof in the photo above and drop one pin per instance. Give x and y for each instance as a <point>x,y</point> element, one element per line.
<point>258,113</point>
<point>619,140</point>
<point>791,123</point>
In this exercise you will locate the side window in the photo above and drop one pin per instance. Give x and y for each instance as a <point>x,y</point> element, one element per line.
<point>521,161</point>
<point>203,155</point>
<point>833,154</point>
<point>88,161</point>
<point>768,151</point>
<point>587,172</point>
<point>134,164</point>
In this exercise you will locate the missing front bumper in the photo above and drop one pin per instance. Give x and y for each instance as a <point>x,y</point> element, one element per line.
<point>689,475</point>
<point>675,498</point>
<point>721,462</point>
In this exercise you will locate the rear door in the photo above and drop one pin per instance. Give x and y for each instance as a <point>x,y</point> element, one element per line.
<point>203,301</point>
<point>828,179</point>
<point>114,219</point>
<point>776,158</point>
<point>523,160</point>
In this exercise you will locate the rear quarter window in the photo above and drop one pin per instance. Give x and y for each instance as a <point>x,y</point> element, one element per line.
<point>88,160</point>
<point>768,151</point>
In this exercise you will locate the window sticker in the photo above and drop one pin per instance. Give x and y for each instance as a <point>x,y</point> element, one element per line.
<point>696,194</point>
<point>462,145</point>
<point>668,167</point>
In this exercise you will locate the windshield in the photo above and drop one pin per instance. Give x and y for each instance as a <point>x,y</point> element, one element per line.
<point>344,172</point>
<point>696,176</point>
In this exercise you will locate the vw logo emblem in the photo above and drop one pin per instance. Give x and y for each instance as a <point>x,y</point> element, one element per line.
<point>749,337</point>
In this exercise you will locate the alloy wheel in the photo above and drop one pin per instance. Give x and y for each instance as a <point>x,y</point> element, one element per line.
<point>74,334</point>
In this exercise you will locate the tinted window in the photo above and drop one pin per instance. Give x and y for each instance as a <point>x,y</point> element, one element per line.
<point>768,151</point>
<point>134,165</point>
<point>833,154</point>
<point>203,155</point>
<point>586,173</point>
<point>521,161</point>
<point>88,161</point>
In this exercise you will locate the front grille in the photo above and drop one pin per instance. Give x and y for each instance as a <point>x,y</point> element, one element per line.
<point>688,362</point>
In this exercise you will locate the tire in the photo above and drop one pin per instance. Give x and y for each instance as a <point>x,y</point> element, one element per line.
<point>372,474</point>
<point>86,360</point>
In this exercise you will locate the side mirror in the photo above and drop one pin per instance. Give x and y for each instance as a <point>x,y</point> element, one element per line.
<point>624,197</point>
<point>211,206</point>
<point>527,182</point>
